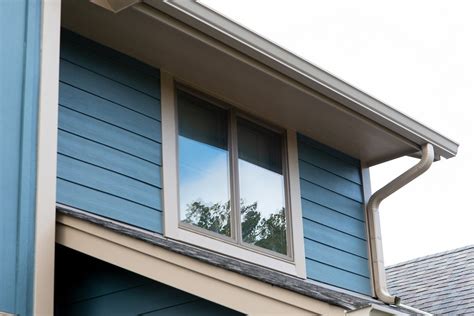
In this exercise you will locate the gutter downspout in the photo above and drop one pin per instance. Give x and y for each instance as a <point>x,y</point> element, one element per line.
<point>372,209</point>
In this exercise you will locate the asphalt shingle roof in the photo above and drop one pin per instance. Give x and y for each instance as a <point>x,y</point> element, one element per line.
<point>442,283</point>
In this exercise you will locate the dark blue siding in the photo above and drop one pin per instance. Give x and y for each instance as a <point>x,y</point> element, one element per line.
<point>333,217</point>
<point>97,288</point>
<point>20,25</point>
<point>109,141</point>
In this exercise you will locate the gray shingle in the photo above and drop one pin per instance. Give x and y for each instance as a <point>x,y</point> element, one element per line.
<point>442,283</point>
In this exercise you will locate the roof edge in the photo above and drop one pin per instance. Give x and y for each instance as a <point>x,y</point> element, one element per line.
<point>431,256</point>
<point>266,52</point>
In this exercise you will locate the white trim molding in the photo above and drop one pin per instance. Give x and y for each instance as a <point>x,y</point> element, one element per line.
<point>293,266</point>
<point>43,291</point>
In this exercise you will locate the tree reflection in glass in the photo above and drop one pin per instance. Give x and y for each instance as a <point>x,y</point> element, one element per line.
<point>203,165</point>
<point>262,187</point>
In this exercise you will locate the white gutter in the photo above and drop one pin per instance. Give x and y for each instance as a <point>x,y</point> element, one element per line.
<point>372,209</point>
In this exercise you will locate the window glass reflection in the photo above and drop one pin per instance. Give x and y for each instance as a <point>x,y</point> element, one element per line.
<point>262,188</point>
<point>203,165</point>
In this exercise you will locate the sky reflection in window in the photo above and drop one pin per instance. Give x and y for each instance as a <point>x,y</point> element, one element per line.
<point>203,165</point>
<point>262,187</point>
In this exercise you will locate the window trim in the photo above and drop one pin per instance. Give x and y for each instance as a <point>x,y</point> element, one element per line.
<point>172,228</point>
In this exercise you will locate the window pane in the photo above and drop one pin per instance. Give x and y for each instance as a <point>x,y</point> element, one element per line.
<point>203,165</point>
<point>262,187</point>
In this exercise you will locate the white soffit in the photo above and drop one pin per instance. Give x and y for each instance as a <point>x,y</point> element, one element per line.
<point>207,51</point>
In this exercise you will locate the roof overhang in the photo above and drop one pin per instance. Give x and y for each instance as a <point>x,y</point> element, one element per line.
<point>207,51</point>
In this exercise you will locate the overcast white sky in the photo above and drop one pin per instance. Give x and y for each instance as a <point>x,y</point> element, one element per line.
<point>417,56</point>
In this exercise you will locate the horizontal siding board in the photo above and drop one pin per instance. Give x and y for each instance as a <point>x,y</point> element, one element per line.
<point>327,162</point>
<point>334,238</point>
<point>109,182</point>
<point>328,217</point>
<point>104,133</point>
<point>304,140</point>
<point>107,205</point>
<point>109,158</point>
<point>195,308</point>
<point>336,258</point>
<point>95,49</point>
<point>108,89</point>
<point>334,276</point>
<point>331,181</point>
<point>115,69</point>
<point>84,102</point>
<point>332,200</point>
<point>135,301</point>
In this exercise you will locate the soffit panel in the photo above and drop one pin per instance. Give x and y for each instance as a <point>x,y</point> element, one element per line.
<point>206,64</point>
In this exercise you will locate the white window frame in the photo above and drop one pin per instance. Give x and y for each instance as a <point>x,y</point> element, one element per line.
<point>293,264</point>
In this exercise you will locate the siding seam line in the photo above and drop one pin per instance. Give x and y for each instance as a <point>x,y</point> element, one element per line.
<point>110,170</point>
<point>327,170</point>
<point>332,209</point>
<point>107,77</point>
<point>319,242</point>
<point>114,195</point>
<point>338,268</point>
<point>108,146</point>
<point>111,101</point>
<point>331,191</point>
<point>341,231</point>
<point>112,124</point>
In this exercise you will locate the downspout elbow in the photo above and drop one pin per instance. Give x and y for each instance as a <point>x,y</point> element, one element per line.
<point>372,209</point>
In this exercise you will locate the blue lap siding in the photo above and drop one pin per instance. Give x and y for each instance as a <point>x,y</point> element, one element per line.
<point>109,138</point>
<point>333,217</point>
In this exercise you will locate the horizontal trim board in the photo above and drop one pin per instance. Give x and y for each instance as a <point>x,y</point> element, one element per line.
<point>68,37</point>
<point>332,200</point>
<point>108,158</point>
<point>108,89</point>
<point>327,162</point>
<point>109,206</point>
<point>110,135</point>
<point>324,273</point>
<point>107,111</point>
<point>336,258</point>
<point>109,182</point>
<point>333,219</point>
<point>304,140</point>
<point>112,68</point>
<point>334,238</point>
<point>330,181</point>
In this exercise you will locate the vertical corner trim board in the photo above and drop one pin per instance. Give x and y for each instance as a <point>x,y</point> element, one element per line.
<point>109,138</point>
<point>333,217</point>
<point>20,25</point>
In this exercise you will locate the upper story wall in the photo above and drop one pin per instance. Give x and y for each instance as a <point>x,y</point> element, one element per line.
<point>109,141</point>
<point>109,162</point>
<point>333,217</point>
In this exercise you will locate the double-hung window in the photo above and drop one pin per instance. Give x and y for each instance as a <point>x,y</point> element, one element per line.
<point>229,187</point>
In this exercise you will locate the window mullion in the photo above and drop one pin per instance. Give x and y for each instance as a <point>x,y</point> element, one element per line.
<point>235,195</point>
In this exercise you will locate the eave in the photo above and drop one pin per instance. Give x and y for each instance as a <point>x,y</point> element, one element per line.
<point>211,53</point>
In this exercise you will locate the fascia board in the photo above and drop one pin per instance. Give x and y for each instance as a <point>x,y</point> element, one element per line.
<point>264,51</point>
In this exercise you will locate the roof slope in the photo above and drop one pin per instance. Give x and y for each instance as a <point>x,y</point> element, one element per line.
<point>442,283</point>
